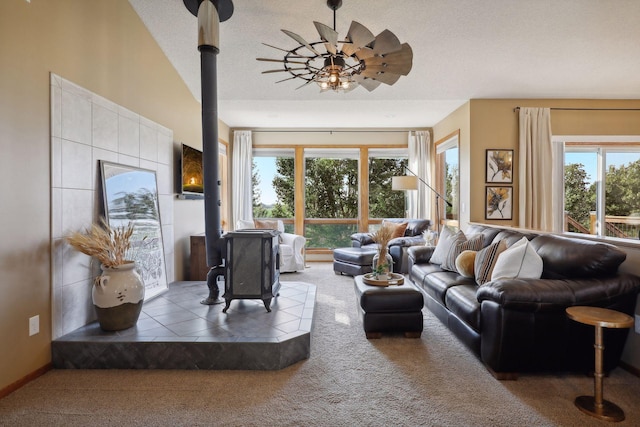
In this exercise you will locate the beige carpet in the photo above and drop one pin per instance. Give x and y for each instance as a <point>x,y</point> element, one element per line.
<point>348,381</point>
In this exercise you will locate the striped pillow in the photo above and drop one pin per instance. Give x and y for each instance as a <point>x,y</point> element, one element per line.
<point>473,244</point>
<point>486,260</point>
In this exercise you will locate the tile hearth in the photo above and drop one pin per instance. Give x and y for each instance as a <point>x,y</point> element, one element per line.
<point>175,331</point>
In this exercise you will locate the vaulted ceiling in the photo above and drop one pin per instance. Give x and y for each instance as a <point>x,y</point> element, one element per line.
<point>463,49</point>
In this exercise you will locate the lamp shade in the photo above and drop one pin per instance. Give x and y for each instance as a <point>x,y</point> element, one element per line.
<point>404,183</point>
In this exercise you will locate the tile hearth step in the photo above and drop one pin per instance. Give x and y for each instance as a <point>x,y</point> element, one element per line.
<point>175,331</point>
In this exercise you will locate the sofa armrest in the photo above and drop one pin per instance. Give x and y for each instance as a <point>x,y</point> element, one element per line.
<point>406,241</point>
<point>553,294</point>
<point>361,239</point>
<point>420,254</point>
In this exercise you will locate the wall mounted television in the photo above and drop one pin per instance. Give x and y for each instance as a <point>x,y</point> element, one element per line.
<point>191,173</point>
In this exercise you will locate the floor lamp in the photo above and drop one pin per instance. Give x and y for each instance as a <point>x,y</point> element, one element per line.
<point>403,183</point>
<point>410,182</point>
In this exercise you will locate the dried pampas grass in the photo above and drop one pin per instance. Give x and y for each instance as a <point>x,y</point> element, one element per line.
<point>382,236</point>
<point>109,245</point>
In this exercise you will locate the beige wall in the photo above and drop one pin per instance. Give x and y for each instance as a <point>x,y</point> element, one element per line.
<point>459,121</point>
<point>493,123</point>
<point>104,47</point>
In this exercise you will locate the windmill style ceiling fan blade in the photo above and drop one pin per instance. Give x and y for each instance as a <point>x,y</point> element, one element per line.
<point>399,62</point>
<point>300,40</point>
<point>386,42</point>
<point>386,78</point>
<point>348,48</point>
<point>329,35</point>
<point>359,35</point>
<point>367,83</point>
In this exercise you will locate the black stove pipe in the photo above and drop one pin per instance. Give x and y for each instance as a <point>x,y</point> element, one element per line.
<point>210,13</point>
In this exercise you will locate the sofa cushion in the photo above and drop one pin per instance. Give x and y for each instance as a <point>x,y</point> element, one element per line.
<point>447,238</point>
<point>437,284</point>
<point>486,260</point>
<point>519,261</point>
<point>462,244</point>
<point>461,300</point>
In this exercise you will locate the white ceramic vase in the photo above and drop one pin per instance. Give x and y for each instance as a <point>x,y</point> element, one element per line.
<point>118,295</point>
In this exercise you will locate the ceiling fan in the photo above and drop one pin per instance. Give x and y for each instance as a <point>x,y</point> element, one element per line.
<point>342,65</point>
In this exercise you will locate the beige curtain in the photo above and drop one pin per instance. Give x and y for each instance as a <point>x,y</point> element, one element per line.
<point>241,189</point>
<point>420,146</point>
<point>536,169</point>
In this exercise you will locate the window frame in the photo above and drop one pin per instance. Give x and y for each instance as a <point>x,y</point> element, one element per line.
<point>600,145</point>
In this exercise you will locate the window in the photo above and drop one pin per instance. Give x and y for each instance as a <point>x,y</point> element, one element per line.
<point>383,165</point>
<point>331,197</point>
<point>273,185</point>
<point>448,179</point>
<point>338,195</point>
<point>601,184</point>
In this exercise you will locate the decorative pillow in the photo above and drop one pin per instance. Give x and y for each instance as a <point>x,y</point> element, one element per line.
<point>397,229</point>
<point>447,237</point>
<point>462,244</point>
<point>465,263</point>
<point>266,224</point>
<point>486,260</point>
<point>520,260</point>
<point>243,224</point>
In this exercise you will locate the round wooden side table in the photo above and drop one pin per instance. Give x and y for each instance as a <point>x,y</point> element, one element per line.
<point>595,405</point>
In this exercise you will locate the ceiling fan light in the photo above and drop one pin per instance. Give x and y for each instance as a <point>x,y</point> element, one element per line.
<point>344,64</point>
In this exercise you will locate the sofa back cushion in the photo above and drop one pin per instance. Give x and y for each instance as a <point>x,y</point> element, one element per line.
<point>415,227</point>
<point>512,236</point>
<point>488,233</point>
<point>565,257</point>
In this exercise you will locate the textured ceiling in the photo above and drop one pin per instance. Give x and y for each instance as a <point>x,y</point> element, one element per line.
<point>463,49</point>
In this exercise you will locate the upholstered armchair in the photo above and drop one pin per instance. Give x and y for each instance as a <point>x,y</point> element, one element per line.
<point>410,236</point>
<point>291,245</point>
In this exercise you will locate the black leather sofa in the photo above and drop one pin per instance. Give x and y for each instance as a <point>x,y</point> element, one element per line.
<point>398,246</point>
<point>520,325</point>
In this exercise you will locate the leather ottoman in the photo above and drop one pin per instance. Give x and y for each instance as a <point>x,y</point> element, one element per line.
<point>389,309</point>
<point>353,261</point>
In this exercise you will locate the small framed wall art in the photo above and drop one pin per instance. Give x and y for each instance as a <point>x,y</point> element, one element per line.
<point>499,166</point>
<point>499,203</point>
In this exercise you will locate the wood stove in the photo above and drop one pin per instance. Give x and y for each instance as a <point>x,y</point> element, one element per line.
<point>252,266</point>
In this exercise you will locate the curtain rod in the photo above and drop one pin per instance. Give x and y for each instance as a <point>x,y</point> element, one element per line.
<point>587,109</point>
<point>332,131</point>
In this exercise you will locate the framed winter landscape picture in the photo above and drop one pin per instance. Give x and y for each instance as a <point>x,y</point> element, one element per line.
<point>131,196</point>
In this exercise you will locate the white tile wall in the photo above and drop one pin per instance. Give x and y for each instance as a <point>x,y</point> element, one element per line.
<point>86,128</point>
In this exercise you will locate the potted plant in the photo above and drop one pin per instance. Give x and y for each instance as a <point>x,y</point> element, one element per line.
<point>118,293</point>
